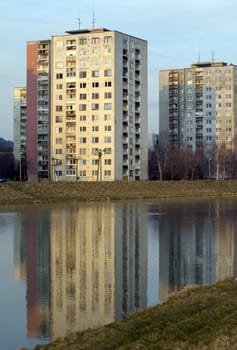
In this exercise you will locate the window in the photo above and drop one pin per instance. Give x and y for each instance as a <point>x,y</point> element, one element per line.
<point>107,173</point>
<point>59,65</point>
<point>107,39</point>
<point>108,50</point>
<point>82,161</point>
<point>70,172</point>
<point>82,173</point>
<point>82,63</point>
<point>82,52</point>
<point>82,85</point>
<point>108,94</point>
<point>95,40</point>
<point>59,108</point>
<point>94,117</point>
<point>94,162</point>
<point>108,72</point>
<point>95,51</point>
<point>107,60</point>
<point>59,86</point>
<point>95,128</point>
<point>59,76</point>
<point>82,107</point>
<point>95,74</point>
<point>59,97</point>
<point>108,128</point>
<point>95,106</point>
<point>59,151</point>
<point>82,41</point>
<point>82,74</point>
<point>107,106</point>
<point>107,139</point>
<point>82,128</point>
<point>95,84</point>
<point>95,96</point>
<point>59,141</point>
<point>82,118</point>
<point>59,119</point>
<point>108,83</point>
<point>95,62</point>
<point>108,150</point>
<point>82,96</point>
<point>108,162</point>
<point>59,130</point>
<point>107,117</point>
<point>95,139</point>
<point>82,139</point>
<point>82,151</point>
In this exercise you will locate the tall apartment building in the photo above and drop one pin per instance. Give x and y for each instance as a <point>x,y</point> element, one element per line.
<point>198,106</point>
<point>38,109</point>
<point>20,120</point>
<point>87,106</point>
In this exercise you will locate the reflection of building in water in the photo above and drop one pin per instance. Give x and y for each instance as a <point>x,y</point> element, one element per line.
<point>187,255</point>
<point>131,258</point>
<point>36,225</point>
<point>78,274</point>
<point>19,250</point>
<point>198,246</point>
<point>226,230</point>
<point>82,268</point>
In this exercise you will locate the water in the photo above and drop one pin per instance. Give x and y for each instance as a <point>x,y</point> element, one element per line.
<point>70,267</point>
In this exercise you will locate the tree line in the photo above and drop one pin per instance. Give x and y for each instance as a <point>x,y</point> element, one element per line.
<point>184,164</point>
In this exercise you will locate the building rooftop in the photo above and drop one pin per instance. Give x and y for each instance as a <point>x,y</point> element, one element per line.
<point>85,31</point>
<point>208,64</point>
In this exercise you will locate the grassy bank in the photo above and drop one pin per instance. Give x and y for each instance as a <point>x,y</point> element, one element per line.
<point>14,193</point>
<point>198,318</point>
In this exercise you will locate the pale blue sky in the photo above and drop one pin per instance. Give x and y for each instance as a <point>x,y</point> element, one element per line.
<point>178,33</point>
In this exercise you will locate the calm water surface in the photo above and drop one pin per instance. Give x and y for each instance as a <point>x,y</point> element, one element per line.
<point>71,267</point>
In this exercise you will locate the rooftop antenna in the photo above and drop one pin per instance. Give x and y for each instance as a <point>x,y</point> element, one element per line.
<point>213,56</point>
<point>79,21</point>
<point>93,18</point>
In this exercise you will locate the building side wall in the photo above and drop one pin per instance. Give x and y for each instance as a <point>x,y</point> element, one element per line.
<point>31,146</point>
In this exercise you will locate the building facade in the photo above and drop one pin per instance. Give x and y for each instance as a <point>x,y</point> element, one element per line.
<point>198,107</point>
<point>87,107</point>
<point>38,109</point>
<point>20,121</point>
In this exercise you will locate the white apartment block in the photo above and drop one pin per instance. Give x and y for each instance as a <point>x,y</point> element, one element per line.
<point>198,106</point>
<point>98,106</point>
<point>87,107</point>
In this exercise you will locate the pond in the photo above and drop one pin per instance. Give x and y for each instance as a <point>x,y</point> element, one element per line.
<point>76,266</point>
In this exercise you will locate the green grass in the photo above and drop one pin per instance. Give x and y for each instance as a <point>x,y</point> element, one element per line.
<point>197,318</point>
<point>14,193</point>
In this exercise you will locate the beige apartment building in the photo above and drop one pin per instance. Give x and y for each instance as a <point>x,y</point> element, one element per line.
<point>198,106</point>
<point>87,97</point>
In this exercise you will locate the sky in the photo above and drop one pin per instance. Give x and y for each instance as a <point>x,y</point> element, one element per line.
<point>178,32</point>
